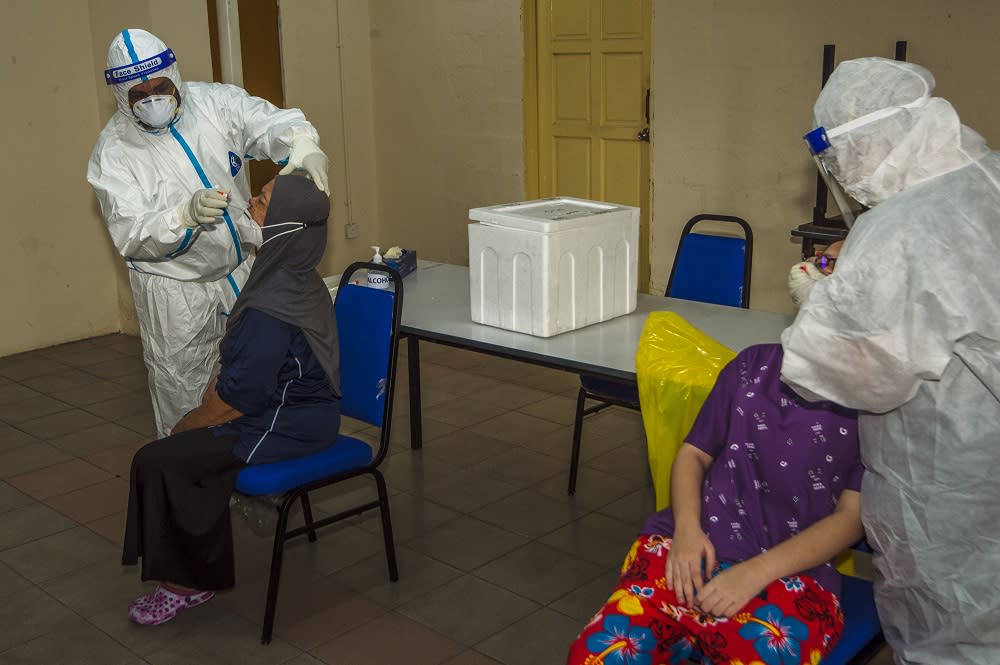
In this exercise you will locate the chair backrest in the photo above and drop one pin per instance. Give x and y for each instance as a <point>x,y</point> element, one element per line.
<point>713,268</point>
<point>368,330</point>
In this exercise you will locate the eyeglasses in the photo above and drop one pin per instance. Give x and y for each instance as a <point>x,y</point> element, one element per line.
<point>824,262</point>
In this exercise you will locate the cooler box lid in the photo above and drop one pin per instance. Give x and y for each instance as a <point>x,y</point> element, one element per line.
<point>545,215</point>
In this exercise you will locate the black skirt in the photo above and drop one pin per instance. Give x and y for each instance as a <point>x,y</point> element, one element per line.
<point>178,510</point>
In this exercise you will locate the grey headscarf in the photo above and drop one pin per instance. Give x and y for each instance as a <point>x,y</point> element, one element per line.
<point>284,282</point>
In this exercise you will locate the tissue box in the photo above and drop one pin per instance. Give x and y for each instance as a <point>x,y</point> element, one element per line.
<point>405,264</point>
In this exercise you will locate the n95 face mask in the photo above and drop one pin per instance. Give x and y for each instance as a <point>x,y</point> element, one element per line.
<point>256,233</point>
<point>156,111</point>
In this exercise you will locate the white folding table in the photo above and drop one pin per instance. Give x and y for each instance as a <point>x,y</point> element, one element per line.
<point>436,308</point>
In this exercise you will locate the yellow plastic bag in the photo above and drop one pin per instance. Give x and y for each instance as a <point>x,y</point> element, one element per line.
<point>676,367</point>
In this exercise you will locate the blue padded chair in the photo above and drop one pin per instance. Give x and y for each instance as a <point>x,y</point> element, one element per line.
<point>708,268</point>
<point>368,328</point>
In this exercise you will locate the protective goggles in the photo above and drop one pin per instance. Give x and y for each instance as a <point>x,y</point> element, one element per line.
<point>139,70</point>
<point>824,262</point>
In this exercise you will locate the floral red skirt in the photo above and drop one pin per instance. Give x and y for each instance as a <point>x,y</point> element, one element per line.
<point>793,620</point>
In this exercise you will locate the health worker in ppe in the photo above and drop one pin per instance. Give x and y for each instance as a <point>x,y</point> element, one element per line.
<point>168,173</point>
<point>905,332</point>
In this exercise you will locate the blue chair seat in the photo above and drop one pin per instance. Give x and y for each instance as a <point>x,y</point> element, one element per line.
<point>624,391</point>
<point>345,454</point>
<point>861,624</point>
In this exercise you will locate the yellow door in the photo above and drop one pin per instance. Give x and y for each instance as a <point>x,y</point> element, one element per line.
<point>590,136</point>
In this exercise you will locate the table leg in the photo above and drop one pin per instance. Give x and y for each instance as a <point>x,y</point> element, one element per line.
<point>413,371</point>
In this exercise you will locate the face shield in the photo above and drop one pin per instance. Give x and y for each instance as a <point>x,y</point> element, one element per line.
<point>139,70</point>
<point>138,58</point>
<point>856,139</point>
<point>818,141</point>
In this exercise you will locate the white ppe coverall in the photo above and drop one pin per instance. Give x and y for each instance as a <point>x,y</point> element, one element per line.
<point>184,279</point>
<point>907,330</point>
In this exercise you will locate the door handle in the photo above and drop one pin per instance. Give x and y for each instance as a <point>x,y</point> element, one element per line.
<point>643,135</point>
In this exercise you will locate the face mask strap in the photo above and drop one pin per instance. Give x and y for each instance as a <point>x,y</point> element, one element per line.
<point>154,99</point>
<point>278,235</point>
<point>301,227</point>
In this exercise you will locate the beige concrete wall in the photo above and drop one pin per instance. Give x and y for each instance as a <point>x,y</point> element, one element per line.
<point>63,279</point>
<point>57,271</point>
<point>419,108</point>
<point>733,88</point>
<point>447,78</point>
<point>326,59</point>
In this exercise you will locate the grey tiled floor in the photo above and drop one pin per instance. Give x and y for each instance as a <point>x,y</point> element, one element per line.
<point>497,564</point>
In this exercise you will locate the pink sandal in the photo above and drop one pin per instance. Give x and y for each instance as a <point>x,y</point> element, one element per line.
<point>161,605</point>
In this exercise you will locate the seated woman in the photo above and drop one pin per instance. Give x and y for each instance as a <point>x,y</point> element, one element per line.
<point>765,493</point>
<point>276,396</point>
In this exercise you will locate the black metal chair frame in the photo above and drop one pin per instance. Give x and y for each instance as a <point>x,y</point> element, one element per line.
<point>281,532</point>
<point>604,401</point>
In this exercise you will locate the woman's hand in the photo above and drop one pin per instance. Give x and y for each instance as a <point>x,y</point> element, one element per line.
<point>730,590</point>
<point>212,411</point>
<point>690,556</point>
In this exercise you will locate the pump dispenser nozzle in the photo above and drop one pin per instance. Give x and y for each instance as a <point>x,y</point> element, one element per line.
<point>377,279</point>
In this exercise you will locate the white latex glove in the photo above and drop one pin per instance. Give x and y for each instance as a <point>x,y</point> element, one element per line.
<point>205,207</point>
<point>801,278</point>
<point>306,156</point>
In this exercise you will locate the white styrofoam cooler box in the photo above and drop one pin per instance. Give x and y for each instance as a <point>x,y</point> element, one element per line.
<point>552,265</point>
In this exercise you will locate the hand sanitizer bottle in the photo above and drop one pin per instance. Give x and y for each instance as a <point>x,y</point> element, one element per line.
<point>377,279</point>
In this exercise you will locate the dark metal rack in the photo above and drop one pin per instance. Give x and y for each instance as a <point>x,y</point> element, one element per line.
<point>823,229</point>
